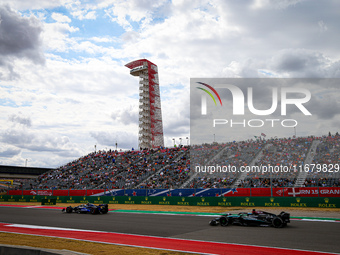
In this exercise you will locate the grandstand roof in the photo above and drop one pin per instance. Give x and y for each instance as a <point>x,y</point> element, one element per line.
<point>7,171</point>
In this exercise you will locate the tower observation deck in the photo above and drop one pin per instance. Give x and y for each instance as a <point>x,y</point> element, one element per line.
<point>150,113</point>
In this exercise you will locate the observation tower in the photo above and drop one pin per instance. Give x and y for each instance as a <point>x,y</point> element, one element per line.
<point>150,133</point>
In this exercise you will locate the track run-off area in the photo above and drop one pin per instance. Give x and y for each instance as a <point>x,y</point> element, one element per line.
<point>176,231</point>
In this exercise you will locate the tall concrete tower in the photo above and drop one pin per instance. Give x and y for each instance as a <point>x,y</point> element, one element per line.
<point>150,112</point>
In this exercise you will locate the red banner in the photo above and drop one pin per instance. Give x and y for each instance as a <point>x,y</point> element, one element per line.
<point>91,192</point>
<point>309,192</point>
<point>61,192</point>
<point>260,192</point>
<point>32,192</point>
<point>329,192</point>
<point>278,192</point>
<point>15,192</point>
<point>80,192</point>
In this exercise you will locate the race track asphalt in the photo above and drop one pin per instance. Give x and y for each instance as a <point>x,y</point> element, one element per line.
<point>305,235</point>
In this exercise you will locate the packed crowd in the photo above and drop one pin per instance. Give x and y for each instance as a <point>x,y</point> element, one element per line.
<point>112,169</point>
<point>203,154</point>
<point>289,153</point>
<point>325,168</point>
<point>170,167</point>
<point>235,154</point>
<point>266,183</point>
<point>208,182</point>
<point>173,175</point>
<point>327,154</point>
<point>322,182</point>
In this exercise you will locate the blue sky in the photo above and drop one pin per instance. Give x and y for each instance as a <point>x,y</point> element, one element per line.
<point>64,88</point>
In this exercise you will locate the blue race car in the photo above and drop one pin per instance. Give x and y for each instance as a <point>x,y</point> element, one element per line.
<point>88,208</point>
<point>255,218</point>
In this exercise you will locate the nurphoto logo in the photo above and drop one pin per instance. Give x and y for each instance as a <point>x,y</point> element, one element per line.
<point>239,99</point>
<point>244,102</point>
<point>237,124</point>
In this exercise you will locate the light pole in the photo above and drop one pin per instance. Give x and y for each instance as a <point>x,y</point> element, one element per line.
<point>174,141</point>
<point>95,148</point>
<point>187,140</point>
<point>116,145</point>
<point>180,141</point>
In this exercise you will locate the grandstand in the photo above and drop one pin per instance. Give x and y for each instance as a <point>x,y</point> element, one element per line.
<point>169,168</point>
<point>13,176</point>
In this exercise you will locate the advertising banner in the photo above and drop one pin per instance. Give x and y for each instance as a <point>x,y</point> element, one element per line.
<point>320,202</point>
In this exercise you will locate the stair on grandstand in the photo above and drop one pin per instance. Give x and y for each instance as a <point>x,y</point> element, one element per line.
<point>309,159</point>
<point>194,175</point>
<point>243,175</point>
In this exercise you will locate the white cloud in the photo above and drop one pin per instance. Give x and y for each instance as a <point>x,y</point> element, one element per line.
<point>323,27</point>
<point>105,39</point>
<point>127,12</point>
<point>55,36</point>
<point>276,4</point>
<point>84,14</point>
<point>26,121</point>
<point>108,140</point>
<point>60,17</point>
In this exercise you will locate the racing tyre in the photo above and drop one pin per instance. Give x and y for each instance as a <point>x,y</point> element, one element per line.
<point>69,209</point>
<point>105,209</point>
<point>94,210</point>
<point>277,222</point>
<point>224,221</point>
